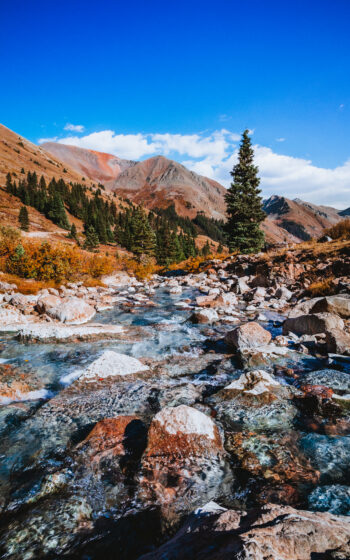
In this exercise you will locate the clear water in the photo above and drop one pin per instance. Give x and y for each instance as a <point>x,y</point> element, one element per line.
<point>165,333</point>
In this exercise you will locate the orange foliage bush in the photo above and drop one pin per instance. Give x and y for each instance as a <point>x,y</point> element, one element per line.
<point>55,263</point>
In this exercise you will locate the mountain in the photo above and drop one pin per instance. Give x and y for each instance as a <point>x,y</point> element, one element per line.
<point>298,220</point>
<point>16,153</point>
<point>97,166</point>
<point>157,182</point>
<point>345,213</point>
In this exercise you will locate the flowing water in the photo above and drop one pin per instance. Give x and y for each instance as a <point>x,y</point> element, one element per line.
<point>190,353</point>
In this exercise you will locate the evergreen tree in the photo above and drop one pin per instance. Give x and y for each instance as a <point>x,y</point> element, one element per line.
<point>220,249</point>
<point>244,203</point>
<point>73,232</point>
<point>91,240</point>
<point>206,250</point>
<point>57,212</point>
<point>143,237</point>
<point>23,218</point>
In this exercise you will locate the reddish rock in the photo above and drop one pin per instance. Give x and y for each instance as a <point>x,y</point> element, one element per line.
<point>249,335</point>
<point>318,390</point>
<point>184,462</point>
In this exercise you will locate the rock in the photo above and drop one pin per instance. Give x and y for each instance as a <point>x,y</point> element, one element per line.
<point>333,304</point>
<point>12,320</point>
<point>48,302</point>
<point>303,308</point>
<point>49,332</point>
<point>249,335</point>
<point>204,316</point>
<point>336,380</point>
<point>272,532</point>
<point>255,401</point>
<point>16,386</point>
<point>283,293</point>
<point>72,311</point>
<point>312,324</point>
<point>226,300</point>
<point>242,286</point>
<point>205,301</point>
<point>111,364</point>
<point>330,455</point>
<point>263,355</point>
<point>184,462</point>
<point>334,498</point>
<point>338,342</point>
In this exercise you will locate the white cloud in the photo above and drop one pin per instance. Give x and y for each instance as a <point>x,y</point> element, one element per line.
<point>53,139</point>
<point>74,127</point>
<point>214,154</point>
<point>341,106</point>
<point>280,139</point>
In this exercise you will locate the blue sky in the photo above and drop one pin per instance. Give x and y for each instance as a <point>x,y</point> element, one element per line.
<point>182,72</point>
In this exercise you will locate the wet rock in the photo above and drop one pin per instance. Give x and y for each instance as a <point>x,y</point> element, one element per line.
<point>256,401</point>
<point>334,498</point>
<point>263,355</point>
<point>336,380</point>
<point>19,386</point>
<point>269,533</point>
<point>184,462</point>
<point>313,324</point>
<point>50,332</point>
<point>333,304</point>
<point>338,342</point>
<point>249,335</point>
<point>330,455</point>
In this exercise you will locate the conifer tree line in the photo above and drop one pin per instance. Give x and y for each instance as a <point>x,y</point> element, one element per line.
<point>162,234</point>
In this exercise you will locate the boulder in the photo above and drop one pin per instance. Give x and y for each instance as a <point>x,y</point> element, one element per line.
<point>302,308</point>
<point>48,302</point>
<point>283,293</point>
<point>312,324</point>
<point>184,462</point>
<point>12,320</point>
<point>338,342</point>
<point>272,532</point>
<point>111,364</point>
<point>249,335</point>
<point>333,304</point>
<point>337,380</point>
<point>72,310</point>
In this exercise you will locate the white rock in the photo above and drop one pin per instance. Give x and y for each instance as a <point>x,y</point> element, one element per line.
<point>112,363</point>
<point>12,320</point>
<point>186,420</point>
<point>73,311</point>
<point>47,332</point>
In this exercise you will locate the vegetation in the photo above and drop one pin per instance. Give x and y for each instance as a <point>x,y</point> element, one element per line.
<point>341,230</point>
<point>244,203</point>
<point>162,234</point>
<point>23,218</point>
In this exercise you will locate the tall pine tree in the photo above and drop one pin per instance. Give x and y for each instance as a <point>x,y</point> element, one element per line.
<point>244,203</point>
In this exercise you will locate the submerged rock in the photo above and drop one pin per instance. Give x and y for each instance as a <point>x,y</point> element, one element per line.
<point>334,499</point>
<point>256,401</point>
<point>330,455</point>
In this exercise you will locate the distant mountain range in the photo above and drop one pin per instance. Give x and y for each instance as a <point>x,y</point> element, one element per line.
<point>156,182</point>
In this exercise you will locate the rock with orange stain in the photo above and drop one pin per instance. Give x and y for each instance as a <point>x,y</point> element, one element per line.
<point>18,386</point>
<point>184,463</point>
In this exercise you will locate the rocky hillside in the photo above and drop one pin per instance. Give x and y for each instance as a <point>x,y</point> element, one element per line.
<point>157,182</point>
<point>298,220</point>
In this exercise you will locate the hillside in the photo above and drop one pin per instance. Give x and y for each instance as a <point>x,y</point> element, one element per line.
<point>156,182</point>
<point>296,219</point>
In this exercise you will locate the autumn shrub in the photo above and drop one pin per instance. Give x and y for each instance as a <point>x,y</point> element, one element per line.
<point>56,263</point>
<point>142,270</point>
<point>341,230</point>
